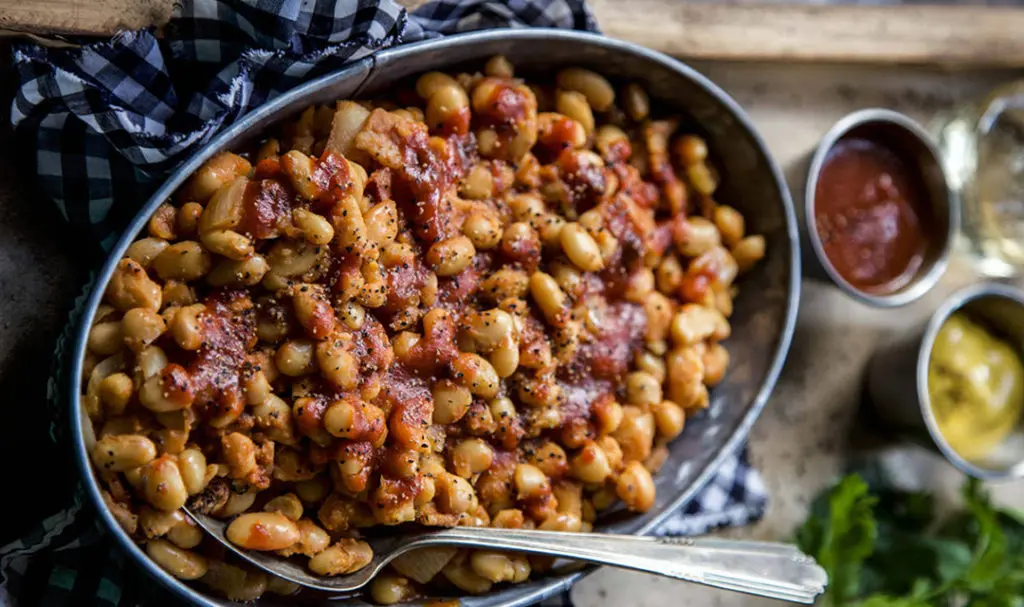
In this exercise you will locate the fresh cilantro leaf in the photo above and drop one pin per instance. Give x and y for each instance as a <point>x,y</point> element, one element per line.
<point>961,526</point>
<point>882,548</point>
<point>841,538</point>
<point>1012,524</point>
<point>884,600</point>
<point>988,564</point>
<point>902,560</point>
<point>974,494</point>
<point>907,511</point>
<point>1008,591</point>
<point>1014,516</point>
<point>951,558</point>
<point>905,556</point>
<point>922,589</point>
<point>997,600</point>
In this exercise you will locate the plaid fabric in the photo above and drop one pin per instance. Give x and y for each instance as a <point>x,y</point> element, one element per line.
<point>108,121</point>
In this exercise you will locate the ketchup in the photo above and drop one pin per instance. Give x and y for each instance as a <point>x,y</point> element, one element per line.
<point>872,215</point>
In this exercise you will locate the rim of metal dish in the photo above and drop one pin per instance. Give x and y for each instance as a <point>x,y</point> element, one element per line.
<point>920,285</point>
<point>955,302</point>
<point>507,597</point>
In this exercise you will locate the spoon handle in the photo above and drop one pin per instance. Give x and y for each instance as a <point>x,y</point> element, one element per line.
<point>772,570</point>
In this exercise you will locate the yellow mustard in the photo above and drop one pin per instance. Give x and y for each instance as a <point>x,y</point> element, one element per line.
<point>976,385</point>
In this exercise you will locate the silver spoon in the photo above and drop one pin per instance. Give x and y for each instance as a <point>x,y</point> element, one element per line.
<point>772,570</point>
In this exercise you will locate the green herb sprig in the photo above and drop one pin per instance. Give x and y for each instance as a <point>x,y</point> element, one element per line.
<point>886,548</point>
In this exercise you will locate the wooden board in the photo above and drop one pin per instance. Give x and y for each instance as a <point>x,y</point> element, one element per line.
<point>889,34</point>
<point>956,35</point>
<point>82,17</point>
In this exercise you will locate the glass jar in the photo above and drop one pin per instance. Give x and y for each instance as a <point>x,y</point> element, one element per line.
<point>982,145</point>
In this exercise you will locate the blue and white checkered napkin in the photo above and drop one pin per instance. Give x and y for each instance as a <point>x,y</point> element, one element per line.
<point>109,120</point>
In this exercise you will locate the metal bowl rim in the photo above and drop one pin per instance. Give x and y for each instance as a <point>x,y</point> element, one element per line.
<point>921,284</point>
<point>550,586</point>
<point>953,303</point>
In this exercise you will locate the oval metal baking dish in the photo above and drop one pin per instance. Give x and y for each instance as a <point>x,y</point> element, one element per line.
<point>764,315</point>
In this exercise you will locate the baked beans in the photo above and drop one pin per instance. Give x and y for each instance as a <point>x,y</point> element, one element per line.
<point>492,305</point>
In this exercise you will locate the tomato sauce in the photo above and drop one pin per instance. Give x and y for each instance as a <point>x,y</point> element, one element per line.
<point>872,215</point>
<point>229,332</point>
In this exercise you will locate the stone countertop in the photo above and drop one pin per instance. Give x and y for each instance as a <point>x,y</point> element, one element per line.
<point>809,428</point>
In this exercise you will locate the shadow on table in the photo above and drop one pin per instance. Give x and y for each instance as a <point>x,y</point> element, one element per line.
<point>42,267</point>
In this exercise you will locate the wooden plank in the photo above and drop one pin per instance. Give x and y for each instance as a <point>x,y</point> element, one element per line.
<point>82,17</point>
<point>959,35</point>
<point>887,34</point>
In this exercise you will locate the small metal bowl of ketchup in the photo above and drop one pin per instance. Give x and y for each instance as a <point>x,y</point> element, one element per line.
<point>880,215</point>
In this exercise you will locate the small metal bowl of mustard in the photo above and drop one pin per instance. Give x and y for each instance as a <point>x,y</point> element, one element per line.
<point>959,381</point>
<point>880,215</point>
